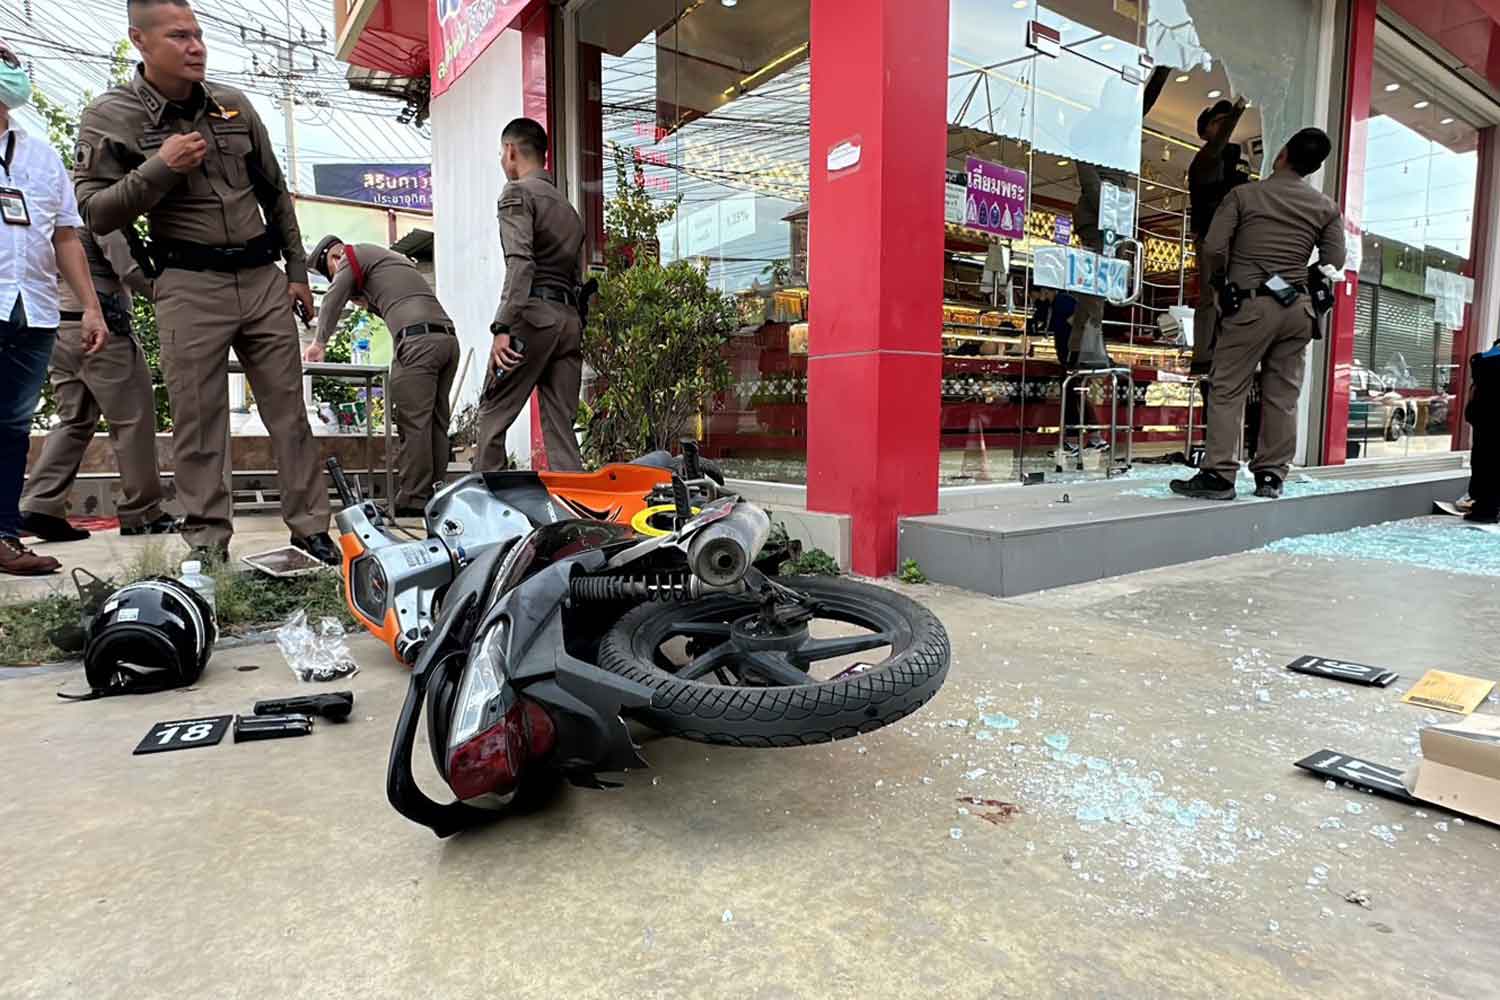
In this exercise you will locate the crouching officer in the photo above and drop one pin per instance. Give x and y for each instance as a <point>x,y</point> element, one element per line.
<point>1262,238</point>
<point>538,330</point>
<point>195,159</point>
<point>114,382</point>
<point>426,353</point>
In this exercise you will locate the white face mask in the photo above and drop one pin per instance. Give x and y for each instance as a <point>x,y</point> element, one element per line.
<point>15,86</point>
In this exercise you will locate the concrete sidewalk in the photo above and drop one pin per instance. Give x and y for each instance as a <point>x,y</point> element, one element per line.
<point>107,552</point>
<point>278,869</point>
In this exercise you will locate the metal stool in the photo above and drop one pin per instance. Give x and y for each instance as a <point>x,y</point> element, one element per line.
<point>1115,376</point>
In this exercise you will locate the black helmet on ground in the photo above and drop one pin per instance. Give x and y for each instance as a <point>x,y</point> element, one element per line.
<point>150,635</point>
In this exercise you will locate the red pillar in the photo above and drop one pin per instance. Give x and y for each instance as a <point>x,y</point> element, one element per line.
<point>535,63</point>
<point>1470,339</point>
<point>875,256</point>
<point>1352,164</point>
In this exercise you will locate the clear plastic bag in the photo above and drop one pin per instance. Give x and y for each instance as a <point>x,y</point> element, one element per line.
<point>315,654</point>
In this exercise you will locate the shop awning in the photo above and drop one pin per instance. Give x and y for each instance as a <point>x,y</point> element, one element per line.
<point>388,36</point>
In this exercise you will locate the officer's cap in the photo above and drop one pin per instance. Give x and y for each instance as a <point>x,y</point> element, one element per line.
<point>319,257</point>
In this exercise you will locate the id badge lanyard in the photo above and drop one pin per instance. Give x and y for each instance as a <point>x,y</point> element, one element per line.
<point>13,209</point>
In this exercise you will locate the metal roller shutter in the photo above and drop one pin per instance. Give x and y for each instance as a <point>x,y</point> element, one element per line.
<point>1364,320</point>
<point>1404,327</point>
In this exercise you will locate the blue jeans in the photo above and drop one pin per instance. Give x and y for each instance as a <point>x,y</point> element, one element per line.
<point>24,354</point>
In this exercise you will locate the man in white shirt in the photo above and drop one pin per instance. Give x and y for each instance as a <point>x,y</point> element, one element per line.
<point>38,239</point>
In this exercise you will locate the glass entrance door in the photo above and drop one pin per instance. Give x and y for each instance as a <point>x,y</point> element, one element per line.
<point>1094,106</point>
<point>1416,284</point>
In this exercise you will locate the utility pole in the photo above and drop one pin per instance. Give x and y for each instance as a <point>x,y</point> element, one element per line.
<point>286,71</point>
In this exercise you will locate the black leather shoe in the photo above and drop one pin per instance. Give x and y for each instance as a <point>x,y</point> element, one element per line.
<point>210,555</point>
<point>320,547</point>
<point>1204,486</point>
<point>1268,485</point>
<point>166,524</point>
<point>51,529</point>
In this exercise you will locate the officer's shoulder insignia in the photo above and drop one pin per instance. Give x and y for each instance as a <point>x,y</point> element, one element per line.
<point>83,155</point>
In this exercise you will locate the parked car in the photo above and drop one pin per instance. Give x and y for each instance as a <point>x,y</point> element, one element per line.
<point>1376,410</point>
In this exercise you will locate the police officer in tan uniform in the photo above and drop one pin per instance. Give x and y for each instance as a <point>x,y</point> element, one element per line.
<point>542,237</point>
<point>114,382</point>
<point>1262,238</point>
<point>426,353</point>
<point>195,159</point>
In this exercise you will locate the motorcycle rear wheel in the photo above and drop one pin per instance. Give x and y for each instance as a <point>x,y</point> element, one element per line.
<point>735,690</point>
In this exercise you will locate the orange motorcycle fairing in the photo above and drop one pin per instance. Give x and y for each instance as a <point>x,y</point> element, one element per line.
<point>614,493</point>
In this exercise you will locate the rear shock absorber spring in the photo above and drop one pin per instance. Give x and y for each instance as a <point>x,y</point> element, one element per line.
<point>639,587</point>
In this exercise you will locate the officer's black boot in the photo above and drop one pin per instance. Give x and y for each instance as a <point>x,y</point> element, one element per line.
<point>51,529</point>
<point>320,547</point>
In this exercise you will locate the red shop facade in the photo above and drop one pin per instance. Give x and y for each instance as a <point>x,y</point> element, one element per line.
<point>888,189</point>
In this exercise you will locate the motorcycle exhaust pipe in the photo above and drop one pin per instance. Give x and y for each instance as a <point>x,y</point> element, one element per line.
<point>721,553</point>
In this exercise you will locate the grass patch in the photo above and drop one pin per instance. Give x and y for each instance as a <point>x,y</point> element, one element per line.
<point>245,601</point>
<point>810,562</point>
<point>910,572</point>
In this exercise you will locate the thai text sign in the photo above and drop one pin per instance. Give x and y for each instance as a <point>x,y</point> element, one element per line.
<point>390,185</point>
<point>996,199</point>
<point>460,30</point>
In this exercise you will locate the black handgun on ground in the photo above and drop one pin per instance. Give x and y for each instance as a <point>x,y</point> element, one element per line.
<point>335,707</point>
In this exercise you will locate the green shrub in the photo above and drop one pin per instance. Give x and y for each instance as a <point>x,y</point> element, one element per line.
<point>910,572</point>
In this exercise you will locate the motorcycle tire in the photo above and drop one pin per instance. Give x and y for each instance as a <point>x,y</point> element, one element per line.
<point>785,716</point>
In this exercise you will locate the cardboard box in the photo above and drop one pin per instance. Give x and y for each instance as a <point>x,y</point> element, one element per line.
<point>1460,768</point>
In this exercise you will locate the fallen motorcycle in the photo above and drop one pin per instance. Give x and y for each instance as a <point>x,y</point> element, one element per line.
<point>533,635</point>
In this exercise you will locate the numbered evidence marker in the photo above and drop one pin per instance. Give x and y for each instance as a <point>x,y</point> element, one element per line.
<point>1378,778</point>
<point>185,734</point>
<point>1342,670</point>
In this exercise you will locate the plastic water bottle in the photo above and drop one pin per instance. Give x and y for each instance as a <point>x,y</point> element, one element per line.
<point>362,351</point>
<point>193,576</point>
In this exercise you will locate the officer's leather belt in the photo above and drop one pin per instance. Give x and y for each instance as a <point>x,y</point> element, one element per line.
<point>201,257</point>
<point>551,294</point>
<point>417,329</point>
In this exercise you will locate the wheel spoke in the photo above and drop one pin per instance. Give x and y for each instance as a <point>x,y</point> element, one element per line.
<point>776,668</point>
<point>704,663</point>
<point>826,649</point>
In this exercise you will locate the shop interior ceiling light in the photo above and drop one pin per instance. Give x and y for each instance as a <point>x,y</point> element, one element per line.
<point>1214,95</point>
<point>1446,121</point>
<point>1391,88</point>
<point>1420,105</point>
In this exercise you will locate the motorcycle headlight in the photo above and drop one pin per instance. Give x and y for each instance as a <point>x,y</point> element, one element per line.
<point>478,702</point>
<point>367,587</point>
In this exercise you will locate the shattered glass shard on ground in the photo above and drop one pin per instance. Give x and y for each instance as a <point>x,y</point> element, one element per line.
<point>1438,543</point>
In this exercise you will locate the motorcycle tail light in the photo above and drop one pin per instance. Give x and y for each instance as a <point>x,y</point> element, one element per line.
<point>494,732</point>
<point>491,762</point>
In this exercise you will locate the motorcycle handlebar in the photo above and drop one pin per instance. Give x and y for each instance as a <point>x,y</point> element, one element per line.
<point>346,493</point>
